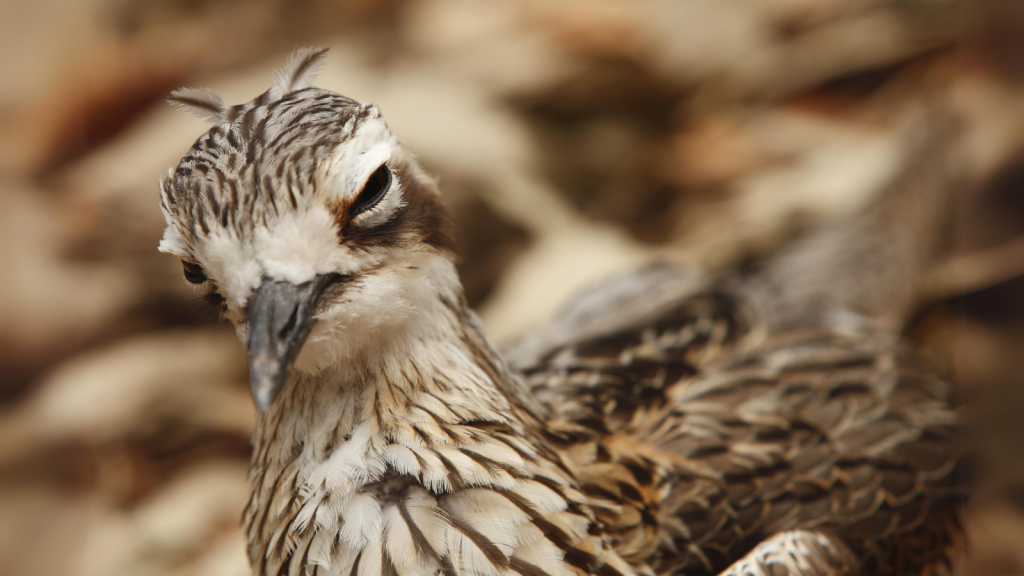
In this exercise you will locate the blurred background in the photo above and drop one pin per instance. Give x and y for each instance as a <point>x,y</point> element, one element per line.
<point>573,139</point>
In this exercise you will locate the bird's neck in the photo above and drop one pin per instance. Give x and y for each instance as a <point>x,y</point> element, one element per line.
<point>436,412</point>
<point>448,375</point>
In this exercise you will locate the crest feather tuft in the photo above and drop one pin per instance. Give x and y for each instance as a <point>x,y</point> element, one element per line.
<point>299,72</point>
<point>201,102</point>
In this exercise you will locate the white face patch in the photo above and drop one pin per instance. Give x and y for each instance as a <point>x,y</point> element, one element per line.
<point>345,175</point>
<point>231,265</point>
<point>402,298</point>
<point>172,243</point>
<point>352,162</point>
<point>298,246</point>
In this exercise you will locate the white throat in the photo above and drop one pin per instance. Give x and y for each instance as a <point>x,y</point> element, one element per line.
<point>348,445</point>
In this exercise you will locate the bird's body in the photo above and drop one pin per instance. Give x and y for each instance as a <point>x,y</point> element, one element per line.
<point>392,438</point>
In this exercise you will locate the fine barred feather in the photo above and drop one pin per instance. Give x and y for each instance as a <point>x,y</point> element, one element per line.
<point>797,552</point>
<point>664,423</point>
<point>203,103</point>
<point>298,73</point>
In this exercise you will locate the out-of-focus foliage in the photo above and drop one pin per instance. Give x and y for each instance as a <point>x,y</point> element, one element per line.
<point>572,139</point>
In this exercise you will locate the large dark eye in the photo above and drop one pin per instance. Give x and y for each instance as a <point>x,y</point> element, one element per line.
<point>193,272</point>
<point>375,188</point>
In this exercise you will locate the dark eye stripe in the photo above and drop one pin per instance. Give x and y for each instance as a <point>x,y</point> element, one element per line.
<point>193,272</point>
<point>376,187</point>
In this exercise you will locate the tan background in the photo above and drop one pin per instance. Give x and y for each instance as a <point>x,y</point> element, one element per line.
<point>573,139</point>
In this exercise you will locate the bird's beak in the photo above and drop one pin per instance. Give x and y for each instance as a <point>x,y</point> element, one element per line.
<point>279,317</point>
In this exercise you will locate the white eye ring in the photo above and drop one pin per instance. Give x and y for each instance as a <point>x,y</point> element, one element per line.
<point>380,205</point>
<point>374,190</point>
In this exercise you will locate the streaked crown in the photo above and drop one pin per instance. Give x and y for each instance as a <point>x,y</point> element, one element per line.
<point>296,183</point>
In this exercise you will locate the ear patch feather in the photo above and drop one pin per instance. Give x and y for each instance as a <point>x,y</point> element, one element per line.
<point>299,72</point>
<point>201,102</point>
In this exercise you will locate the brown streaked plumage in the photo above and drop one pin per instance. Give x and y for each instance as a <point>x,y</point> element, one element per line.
<point>659,426</point>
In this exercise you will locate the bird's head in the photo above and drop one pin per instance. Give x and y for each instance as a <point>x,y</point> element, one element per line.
<point>302,213</point>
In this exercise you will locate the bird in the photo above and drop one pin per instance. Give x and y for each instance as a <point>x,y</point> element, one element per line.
<point>663,423</point>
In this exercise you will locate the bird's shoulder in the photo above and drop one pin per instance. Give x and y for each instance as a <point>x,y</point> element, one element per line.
<point>710,434</point>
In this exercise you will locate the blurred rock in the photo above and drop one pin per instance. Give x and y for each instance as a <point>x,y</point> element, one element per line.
<point>181,521</point>
<point>48,305</point>
<point>996,28</point>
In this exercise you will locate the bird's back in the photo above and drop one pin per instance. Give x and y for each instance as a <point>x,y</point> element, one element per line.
<point>716,424</point>
<point>707,437</point>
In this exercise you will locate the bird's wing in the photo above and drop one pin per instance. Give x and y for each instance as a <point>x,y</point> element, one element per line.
<point>699,437</point>
<point>706,417</point>
<point>797,553</point>
<point>609,306</point>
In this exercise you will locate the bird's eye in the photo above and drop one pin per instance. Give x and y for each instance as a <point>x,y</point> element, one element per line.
<point>193,272</point>
<point>376,186</point>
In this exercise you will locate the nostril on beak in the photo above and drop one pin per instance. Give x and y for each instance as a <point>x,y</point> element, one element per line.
<point>290,324</point>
